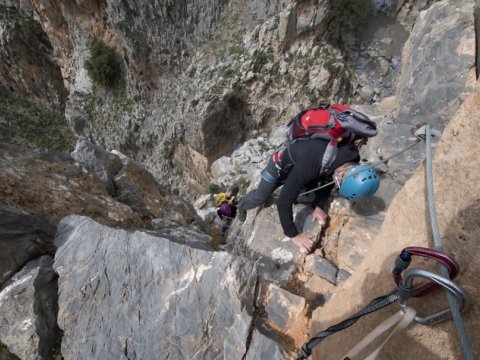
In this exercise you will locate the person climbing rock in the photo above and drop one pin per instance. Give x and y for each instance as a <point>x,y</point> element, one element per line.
<point>227,208</point>
<point>300,167</point>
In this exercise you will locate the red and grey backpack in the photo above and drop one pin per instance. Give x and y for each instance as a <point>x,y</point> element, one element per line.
<point>331,122</point>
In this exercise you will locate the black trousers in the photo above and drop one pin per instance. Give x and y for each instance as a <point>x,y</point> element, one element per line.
<point>257,197</point>
<point>272,178</point>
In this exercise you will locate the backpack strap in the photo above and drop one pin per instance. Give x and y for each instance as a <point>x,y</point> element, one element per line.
<point>278,154</point>
<point>329,155</point>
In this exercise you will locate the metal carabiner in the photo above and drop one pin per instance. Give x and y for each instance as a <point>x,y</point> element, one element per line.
<point>421,133</point>
<point>407,286</point>
<point>405,257</point>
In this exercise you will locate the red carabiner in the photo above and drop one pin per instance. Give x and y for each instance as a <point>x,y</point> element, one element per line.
<point>404,260</point>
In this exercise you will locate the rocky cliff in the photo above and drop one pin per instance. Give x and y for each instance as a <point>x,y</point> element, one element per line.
<point>457,204</point>
<point>102,253</point>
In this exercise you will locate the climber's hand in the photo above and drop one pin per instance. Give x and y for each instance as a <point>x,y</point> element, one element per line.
<point>320,215</point>
<point>303,242</point>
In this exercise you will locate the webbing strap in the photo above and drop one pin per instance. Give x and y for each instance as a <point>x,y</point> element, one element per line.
<point>374,305</point>
<point>401,319</point>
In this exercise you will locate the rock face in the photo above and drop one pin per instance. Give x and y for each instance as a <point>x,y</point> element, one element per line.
<point>431,94</point>
<point>23,237</point>
<point>456,177</point>
<point>51,184</point>
<point>104,165</point>
<point>136,295</point>
<point>28,304</point>
<point>197,80</point>
<point>27,64</point>
<point>189,89</point>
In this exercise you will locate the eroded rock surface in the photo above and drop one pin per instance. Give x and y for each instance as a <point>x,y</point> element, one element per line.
<point>28,311</point>
<point>23,237</point>
<point>456,177</point>
<point>137,295</point>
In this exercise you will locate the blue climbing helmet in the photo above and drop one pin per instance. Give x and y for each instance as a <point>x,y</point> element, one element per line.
<point>359,182</point>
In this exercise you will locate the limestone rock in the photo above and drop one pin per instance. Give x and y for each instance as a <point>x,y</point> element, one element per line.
<point>27,65</point>
<point>221,167</point>
<point>105,165</point>
<point>287,26</point>
<point>265,345</point>
<point>136,187</point>
<point>427,90</point>
<point>312,228</point>
<point>320,266</point>
<point>28,311</point>
<point>192,238</point>
<point>51,184</point>
<point>140,295</point>
<point>284,309</point>
<point>261,238</point>
<point>456,180</point>
<point>221,125</point>
<point>23,237</point>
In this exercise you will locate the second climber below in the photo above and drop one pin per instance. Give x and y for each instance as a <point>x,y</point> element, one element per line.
<point>301,168</point>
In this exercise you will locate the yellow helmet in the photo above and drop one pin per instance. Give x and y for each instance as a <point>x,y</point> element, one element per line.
<point>220,198</point>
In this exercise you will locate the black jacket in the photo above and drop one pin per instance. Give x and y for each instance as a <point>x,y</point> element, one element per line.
<point>303,162</point>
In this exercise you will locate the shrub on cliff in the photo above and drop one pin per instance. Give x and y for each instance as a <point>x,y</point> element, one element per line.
<point>102,65</point>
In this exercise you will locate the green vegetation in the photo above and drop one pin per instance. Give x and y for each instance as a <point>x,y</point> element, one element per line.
<point>330,65</point>
<point>102,65</point>
<point>194,103</point>
<point>108,115</point>
<point>33,32</point>
<point>242,184</point>
<point>289,79</point>
<point>31,28</point>
<point>3,348</point>
<point>8,13</point>
<point>5,354</point>
<point>214,188</point>
<point>29,125</point>
<point>261,58</point>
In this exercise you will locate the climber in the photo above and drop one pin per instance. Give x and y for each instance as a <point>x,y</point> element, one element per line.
<point>227,207</point>
<point>299,169</point>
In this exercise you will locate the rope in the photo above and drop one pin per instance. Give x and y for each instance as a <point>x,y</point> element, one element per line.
<point>400,319</point>
<point>374,305</point>
<point>454,307</point>
<point>369,167</point>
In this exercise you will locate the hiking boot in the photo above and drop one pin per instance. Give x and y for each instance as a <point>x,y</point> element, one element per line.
<point>242,215</point>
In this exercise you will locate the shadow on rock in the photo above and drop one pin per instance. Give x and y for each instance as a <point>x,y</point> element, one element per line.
<point>370,206</point>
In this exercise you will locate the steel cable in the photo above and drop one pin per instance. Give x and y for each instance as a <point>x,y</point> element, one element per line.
<point>369,167</point>
<point>454,306</point>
